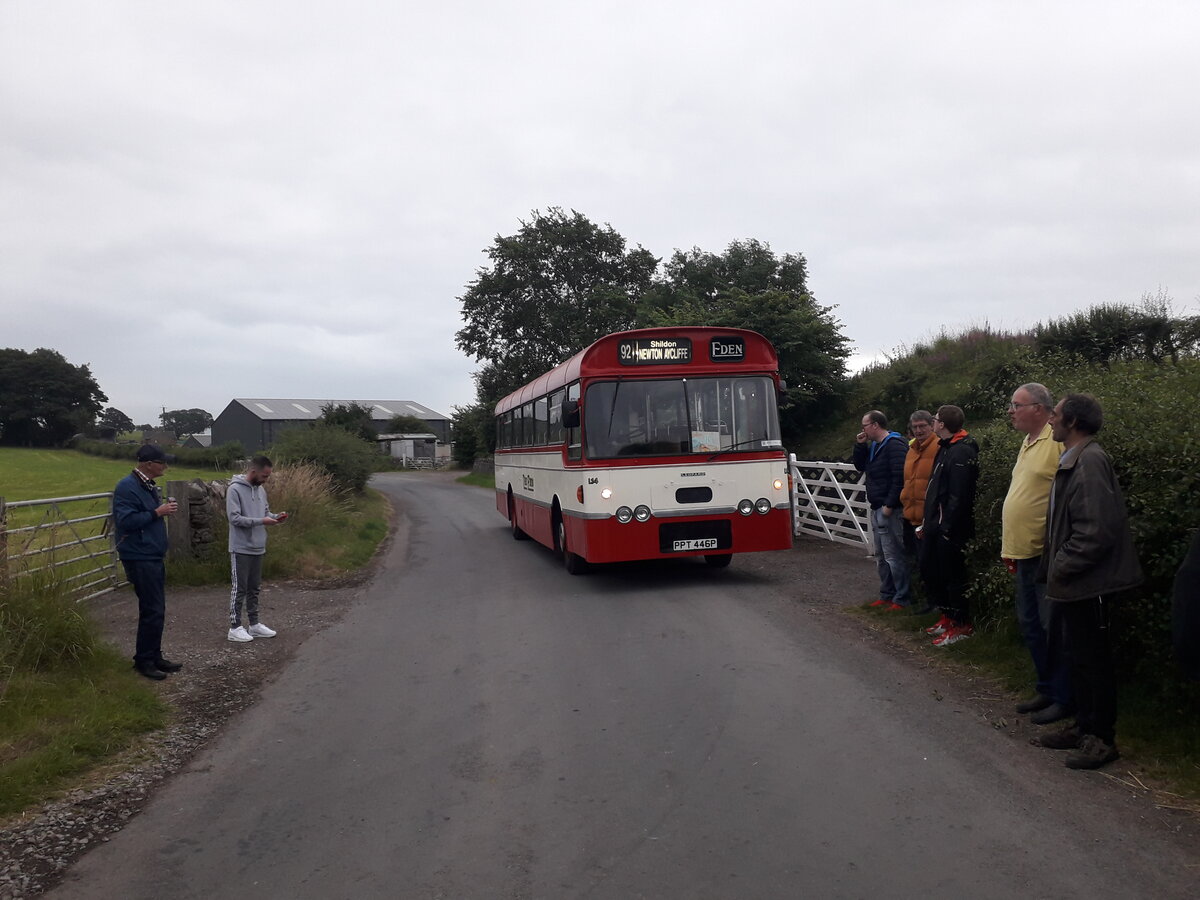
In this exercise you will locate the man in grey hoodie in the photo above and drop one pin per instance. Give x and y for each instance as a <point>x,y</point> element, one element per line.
<point>249,516</point>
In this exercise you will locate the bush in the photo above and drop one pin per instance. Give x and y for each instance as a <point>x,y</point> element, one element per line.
<point>346,458</point>
<point>221,458</point>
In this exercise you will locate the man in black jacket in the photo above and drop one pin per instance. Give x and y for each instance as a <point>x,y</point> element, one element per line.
<point>880,454</point>
<point>949,524</point>
<point>1089,559</point>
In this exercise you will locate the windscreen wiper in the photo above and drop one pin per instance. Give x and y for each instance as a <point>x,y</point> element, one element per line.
<point>769,443</point>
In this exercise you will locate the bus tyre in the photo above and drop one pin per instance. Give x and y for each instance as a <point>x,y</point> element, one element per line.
<point>572,562</point>
<point>517,533</point>
<point>718,560</point>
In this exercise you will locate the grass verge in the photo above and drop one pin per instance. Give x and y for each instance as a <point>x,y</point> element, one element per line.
<point>478,479</point>
<point>1157,729</point>
<point>67,700</point>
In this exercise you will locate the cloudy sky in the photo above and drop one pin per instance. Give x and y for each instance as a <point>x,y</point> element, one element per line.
<point>285,199</point>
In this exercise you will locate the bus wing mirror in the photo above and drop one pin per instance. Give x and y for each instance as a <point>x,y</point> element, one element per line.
<point>782,386</point>
<point>570,413</point>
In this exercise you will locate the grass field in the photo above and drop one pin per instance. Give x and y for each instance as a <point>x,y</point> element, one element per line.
<point>30,474</point>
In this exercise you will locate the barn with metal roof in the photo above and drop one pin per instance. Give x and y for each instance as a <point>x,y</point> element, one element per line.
<point>258,422</point>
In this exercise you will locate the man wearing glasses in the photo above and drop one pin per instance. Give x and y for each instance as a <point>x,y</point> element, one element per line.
<point>880,454</point>
<point>141,533</point>
<point>1022,536</point>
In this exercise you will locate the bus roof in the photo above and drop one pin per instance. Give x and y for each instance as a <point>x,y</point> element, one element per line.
<point>646,360</point>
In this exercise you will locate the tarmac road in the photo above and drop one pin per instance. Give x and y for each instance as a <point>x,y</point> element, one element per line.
<point>483,725</point>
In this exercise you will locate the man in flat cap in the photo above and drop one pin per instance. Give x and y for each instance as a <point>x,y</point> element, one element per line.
<point>138,513</point>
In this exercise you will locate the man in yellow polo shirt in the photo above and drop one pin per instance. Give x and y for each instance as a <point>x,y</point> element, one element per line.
<point>1023,535</point>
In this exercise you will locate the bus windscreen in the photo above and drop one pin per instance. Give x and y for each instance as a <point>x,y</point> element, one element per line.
<point>670,417</point>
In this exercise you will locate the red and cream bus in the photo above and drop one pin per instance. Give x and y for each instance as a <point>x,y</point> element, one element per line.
<point>649,444</point>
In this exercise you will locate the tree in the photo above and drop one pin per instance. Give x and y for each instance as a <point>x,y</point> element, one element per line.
<point>472,432</point>
<point>558,284</point>
<point>352,417</point>
<point>750,265</point>
<point>186,421</point>
<point>401,424</point>
<point>44,399</point>
<point>748,286</point>
<point>112,419</point>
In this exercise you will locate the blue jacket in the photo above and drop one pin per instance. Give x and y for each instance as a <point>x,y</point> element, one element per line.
<point>883,461</point>
<point>141,534</point>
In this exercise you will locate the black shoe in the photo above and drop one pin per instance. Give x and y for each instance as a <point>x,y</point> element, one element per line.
<point>1065,739</point>
<point>1055,712</point>
<point>1092,753</point>
<point>1034,704</point>
<point>150,671</point>
<point>165,665</point>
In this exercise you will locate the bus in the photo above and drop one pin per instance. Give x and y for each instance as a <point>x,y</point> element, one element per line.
<point>650,444</point>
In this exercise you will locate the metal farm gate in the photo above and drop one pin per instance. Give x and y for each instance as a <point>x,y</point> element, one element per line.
<point>65,540</point>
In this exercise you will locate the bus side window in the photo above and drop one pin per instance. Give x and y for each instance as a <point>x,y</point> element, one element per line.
<point>555,435</point>
<point>527,427</point>
<point>574,435</point>
<point>540,420</point>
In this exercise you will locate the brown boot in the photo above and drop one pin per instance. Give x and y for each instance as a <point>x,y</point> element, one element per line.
<point>1064,739</point>
<point>1092,753</point>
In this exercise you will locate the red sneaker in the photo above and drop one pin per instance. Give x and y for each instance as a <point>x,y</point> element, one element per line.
<point>953,635</point>
<point>878,603</point>
<point>892,607</point>
<point>940,626</point>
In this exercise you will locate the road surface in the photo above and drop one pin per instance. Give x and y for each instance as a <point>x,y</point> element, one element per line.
<point>481,724</point>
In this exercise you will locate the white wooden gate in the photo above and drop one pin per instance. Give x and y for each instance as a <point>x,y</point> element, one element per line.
<point>829,500</point>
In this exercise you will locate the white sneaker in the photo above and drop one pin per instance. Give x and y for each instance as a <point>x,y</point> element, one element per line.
<point>240,634</point>
<point>261,630</point>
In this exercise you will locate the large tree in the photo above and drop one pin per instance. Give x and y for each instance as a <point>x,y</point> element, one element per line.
<point>44,399</point>
<point>186,421</point>
<point>749,265</point>
<point>748,286</point>
<point>558,284</point>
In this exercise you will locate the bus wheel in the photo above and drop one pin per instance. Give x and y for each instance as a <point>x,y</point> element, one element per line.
<point>718,560</point>
<point>517,533</point>
<point>573,562</point>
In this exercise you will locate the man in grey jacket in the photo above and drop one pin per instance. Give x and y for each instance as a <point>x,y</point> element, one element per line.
<point>249,517</point>
<point>1088,561</point>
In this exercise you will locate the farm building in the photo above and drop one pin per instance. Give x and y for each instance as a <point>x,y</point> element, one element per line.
<point>200,441</point>
<point>257,423</point>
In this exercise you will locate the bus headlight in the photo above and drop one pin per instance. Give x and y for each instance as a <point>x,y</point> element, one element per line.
<point>762,506</point>
<point>745,507</point>
<point>642,513</point>
<point>606,493</point>
<point>777,484</point>
<point>624,514</point>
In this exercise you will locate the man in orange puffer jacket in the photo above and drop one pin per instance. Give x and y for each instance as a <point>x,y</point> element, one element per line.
<point>918,466</point>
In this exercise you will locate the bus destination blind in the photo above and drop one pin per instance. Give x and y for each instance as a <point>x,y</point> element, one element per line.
<point>657,351</point>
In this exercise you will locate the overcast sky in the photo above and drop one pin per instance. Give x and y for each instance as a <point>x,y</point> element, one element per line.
<point>285,199</point>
